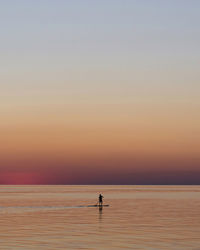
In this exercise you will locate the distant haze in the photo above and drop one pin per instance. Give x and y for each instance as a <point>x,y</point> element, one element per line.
<point>100,92</point>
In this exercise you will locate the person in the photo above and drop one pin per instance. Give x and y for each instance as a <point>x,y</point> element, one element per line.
<point>101,200</point>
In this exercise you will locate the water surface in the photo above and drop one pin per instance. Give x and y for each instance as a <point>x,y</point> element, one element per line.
<point>139,217</point>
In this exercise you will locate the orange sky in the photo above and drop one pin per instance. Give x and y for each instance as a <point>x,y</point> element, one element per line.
<point>91,100</point>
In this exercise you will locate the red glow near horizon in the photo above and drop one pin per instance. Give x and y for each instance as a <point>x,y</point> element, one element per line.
<point>20,178</point>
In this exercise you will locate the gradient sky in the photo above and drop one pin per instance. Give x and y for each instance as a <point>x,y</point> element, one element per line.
<point>100,92</point>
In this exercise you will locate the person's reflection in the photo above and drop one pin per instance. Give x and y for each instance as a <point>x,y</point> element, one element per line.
<point>100,213</point>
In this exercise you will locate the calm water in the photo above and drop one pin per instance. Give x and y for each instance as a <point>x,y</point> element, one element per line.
<point>139,217</point>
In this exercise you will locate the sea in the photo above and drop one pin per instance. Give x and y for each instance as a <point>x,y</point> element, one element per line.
<point>62,217</point>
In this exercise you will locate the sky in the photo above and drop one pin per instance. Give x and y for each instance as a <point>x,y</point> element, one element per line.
<point>100,92</point>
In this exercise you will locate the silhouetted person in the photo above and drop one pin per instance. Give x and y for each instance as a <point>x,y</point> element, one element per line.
<point>101,200</point>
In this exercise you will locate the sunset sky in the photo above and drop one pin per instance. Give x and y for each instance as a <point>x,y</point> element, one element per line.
<point>100,92</point>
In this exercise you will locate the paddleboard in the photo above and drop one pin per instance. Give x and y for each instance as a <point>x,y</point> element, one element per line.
<point>98,205</point>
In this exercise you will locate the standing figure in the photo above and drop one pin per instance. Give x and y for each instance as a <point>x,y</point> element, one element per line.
<point>101,200</point>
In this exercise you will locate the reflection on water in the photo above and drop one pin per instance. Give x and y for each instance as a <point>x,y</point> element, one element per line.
<point>100,213</point>
<point>61,217</point>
